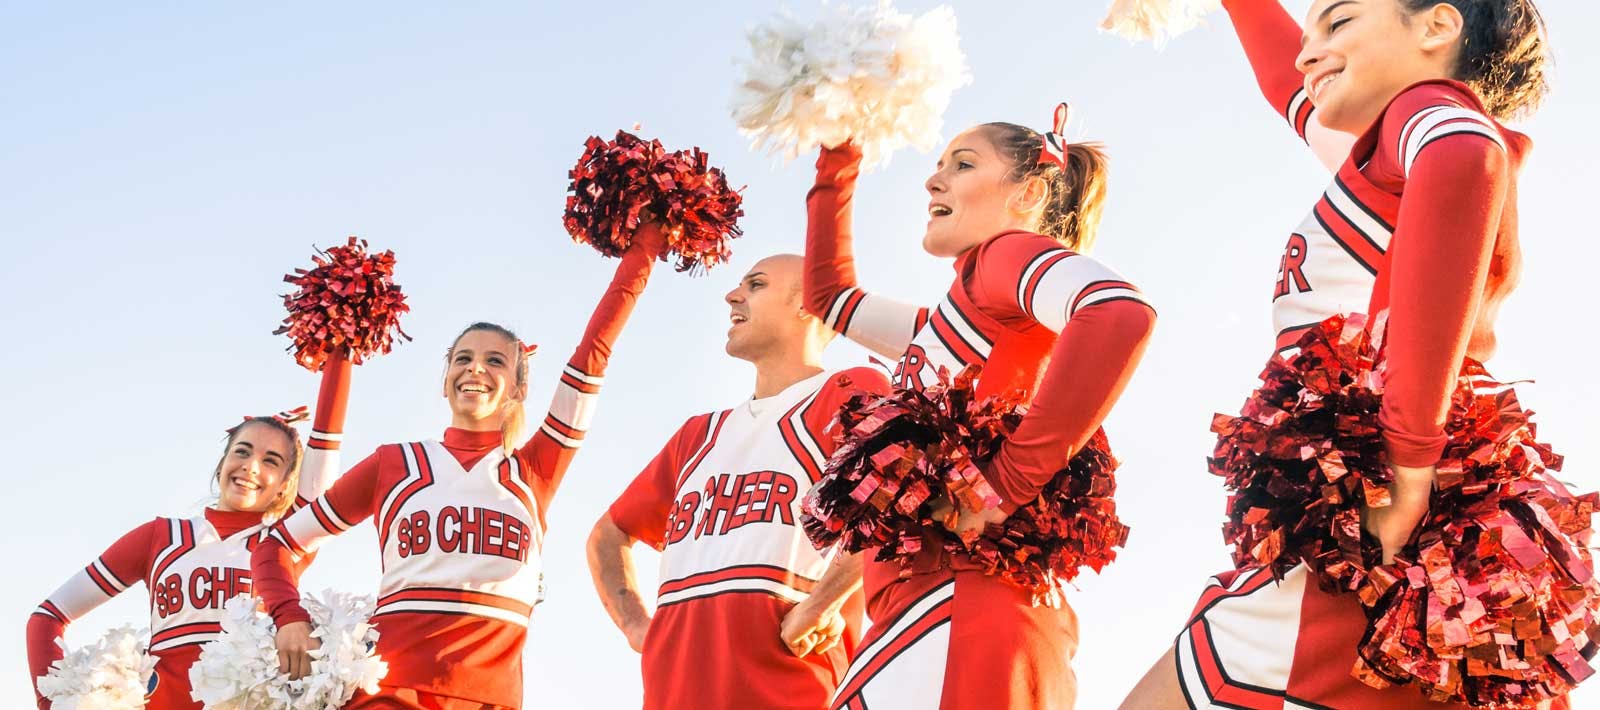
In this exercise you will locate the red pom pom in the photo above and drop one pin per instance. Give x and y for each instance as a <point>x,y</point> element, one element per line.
<point>905,452</point>
<point>618,185</point>
<point>1494,600</point>
<point>348,302</point>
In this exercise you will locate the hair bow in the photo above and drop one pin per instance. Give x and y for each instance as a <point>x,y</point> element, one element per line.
<point>1055,145</point>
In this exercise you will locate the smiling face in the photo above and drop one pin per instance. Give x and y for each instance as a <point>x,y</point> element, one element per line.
<point>765,311</point>
<point>255,469</point>
<point>1360,54</point>
<point>481,378</point>
<point>972,196</point>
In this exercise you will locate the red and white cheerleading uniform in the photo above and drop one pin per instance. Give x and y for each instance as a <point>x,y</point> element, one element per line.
<point>191,567</point>
<point>722,503</point>
<point>460,529</point>
<point>1420,221</point>
<point>1019,300</point>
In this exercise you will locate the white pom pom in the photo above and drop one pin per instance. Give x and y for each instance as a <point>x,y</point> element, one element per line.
<point>239,670</point>
<point>872,75</point>
<point>113,673</point>
<point>1156,20</point>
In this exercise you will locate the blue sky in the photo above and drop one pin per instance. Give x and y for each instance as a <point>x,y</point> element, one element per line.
<point>165,165</point>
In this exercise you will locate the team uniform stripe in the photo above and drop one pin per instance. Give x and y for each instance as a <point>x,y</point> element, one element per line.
<point>921,618</point>
<point>49,608</point>
<point>572,381</point>
<point>1240,586</point>
<point>565,434</point>
<point>322,444</point>
<point>182,541</point>
<point>184,635</point>
<point>1097,291</point>
<point>327,517</point>
<point>844,309</point>
<point>797,437</point>
<point>963,326</point>
<point>1033,273</point>
<point>1435,122</point>
<point>419,475</point>
<point>761,579</point>
<point>432,600</point>
<point>1353,247</point>
<point>572,371</point>
<point>921,322</point>
<point>285,538</point>
<point>1365,219</point>
<point>1220,689</point>
<point>511,479</point>
<point>105,579</point>
<point>1298,110</point>
<point>715,427</point>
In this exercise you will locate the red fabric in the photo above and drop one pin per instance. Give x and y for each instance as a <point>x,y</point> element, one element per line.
<point>469,657</point>
<point>644,506</point>
<point>724,652</point>
<point>1271,40</point>
<point>129,558</point>
<point>1073,398</point>
<point>830,262</point>
<point>1330,631</point>
<point>388,698</point>
<point>1096,358</point>
<point>1453,260</point>
<point>1005,652</point>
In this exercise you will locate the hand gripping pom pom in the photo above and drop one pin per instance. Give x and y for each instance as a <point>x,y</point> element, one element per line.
<point>619,185</point>
<point>1493,602</point>
<point>870,75</point>
<point>113,673</point>
<point>346,304</point>
<point>902,453</point>
<point>239,670</point>
<point>1156,20</point>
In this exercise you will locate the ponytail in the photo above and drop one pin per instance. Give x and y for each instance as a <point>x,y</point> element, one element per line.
<point>1077,194</point>
<point>1504,53</point>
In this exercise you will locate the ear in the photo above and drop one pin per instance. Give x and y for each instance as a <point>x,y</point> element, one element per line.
<point>519,393</point>
<point>1441,28</point>
<point>1028,198</point>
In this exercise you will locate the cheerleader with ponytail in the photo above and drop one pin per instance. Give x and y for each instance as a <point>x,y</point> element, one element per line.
<point>461,519</point>
<point>1380,479</point>
<point>192,566</point>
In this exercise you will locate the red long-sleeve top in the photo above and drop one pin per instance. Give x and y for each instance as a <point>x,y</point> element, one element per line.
<point>449,622</point>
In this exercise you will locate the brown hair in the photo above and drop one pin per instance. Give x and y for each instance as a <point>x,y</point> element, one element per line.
<point>1077,194</point>
<point>1504,54</point>
<point>291,476</point>
<point>516,417</point>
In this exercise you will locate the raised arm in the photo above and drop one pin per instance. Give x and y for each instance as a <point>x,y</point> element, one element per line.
<point>879,324</point>
<point>1271,40</point>
<point>556,441</point>
<point>125,563</point>
<point>321,466</point>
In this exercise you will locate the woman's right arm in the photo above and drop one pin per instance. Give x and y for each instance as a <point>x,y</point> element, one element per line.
<point>881,325</point>
<point>1271,40</point>
<point>277,561</point>
<point>126,562</point>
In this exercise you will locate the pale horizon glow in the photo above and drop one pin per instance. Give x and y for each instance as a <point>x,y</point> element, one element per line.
<point>167,165</point>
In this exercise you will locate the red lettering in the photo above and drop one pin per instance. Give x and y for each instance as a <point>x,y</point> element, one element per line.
<point>169,596</point>
<point>908,372</point>
<point>449,528</point>
<point>719,494</point>
<point>199,599</point>
<point>493,532</point>
<point>1291,276</point>
<point>681,518</point>
<point>421,536</point>
<point>471,529</point>
<point>781,501</point>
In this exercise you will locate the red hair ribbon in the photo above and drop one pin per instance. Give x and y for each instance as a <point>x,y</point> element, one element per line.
<point>289,416</point>
<point>529,349</point>
<point>1055,145</point>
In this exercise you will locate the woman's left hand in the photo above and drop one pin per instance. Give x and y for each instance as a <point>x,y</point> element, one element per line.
<point>967,524</point>
<point>1408,505</point>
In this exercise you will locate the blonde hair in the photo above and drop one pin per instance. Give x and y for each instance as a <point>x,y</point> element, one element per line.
<point>291,477</point>
<point>514,422</point>
<point>1077,194</point>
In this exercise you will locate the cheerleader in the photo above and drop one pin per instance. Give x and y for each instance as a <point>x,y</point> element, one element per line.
<point>192,566</point>
<point>460,520</point>
<point>1420,222</point>
<point>1015,209</point>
